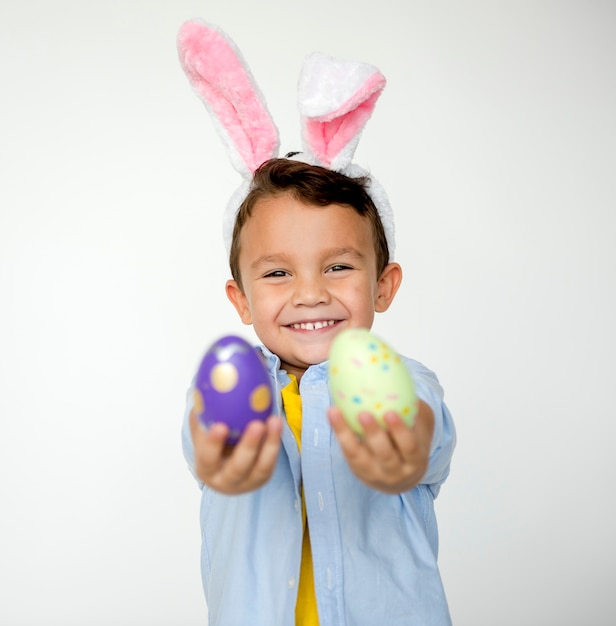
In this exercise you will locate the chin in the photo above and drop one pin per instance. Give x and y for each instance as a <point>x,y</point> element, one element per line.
<point>315,359</point>
<point>307,360</point>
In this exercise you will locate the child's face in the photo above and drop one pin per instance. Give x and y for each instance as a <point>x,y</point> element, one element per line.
<point>308,272</point>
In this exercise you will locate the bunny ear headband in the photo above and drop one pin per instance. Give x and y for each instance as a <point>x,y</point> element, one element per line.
<point>335,99</point>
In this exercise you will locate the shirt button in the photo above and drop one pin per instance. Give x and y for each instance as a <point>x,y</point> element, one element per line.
<point>296,505</point>
<point>291,582</point>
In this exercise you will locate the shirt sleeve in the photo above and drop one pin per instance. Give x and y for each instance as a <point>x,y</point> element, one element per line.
<point>187,444</point>
<point>430,391</point>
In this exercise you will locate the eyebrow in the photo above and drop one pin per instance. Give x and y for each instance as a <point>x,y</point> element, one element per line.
<point>268,259</point>
<point>352,252</point>
<point>276,259</point>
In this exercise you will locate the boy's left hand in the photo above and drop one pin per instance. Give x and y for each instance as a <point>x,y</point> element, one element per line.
<point>391,459</point>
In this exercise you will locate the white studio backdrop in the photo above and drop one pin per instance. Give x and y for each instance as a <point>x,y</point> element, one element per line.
<point>495,140</point>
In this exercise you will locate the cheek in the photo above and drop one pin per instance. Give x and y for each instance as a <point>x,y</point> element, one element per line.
<point>363,295</point>
<point>263,307</point>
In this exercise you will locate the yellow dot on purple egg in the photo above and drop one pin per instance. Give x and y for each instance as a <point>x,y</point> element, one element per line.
<point>224,377</point>
<point>198,401</point>
<point>260,398</point>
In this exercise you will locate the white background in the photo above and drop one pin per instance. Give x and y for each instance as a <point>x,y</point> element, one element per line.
<point>495,139</point>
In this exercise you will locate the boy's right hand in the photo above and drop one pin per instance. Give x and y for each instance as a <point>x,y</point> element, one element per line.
<point>244,467</point>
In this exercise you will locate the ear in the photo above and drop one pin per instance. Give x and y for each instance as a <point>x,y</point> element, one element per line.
<point>336,98</point>
<point>222,79</point>
<point>387,287</point>
<point>239,301</point>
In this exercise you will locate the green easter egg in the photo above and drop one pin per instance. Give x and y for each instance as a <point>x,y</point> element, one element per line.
<point>365,374</point>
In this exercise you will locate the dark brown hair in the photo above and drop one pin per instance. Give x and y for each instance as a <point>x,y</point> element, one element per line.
<point>314,185</point>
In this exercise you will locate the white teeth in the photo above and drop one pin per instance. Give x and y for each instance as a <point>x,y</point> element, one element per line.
<point>313,325</point>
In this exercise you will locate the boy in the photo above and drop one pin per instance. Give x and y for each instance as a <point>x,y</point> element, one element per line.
<point>302,521</point>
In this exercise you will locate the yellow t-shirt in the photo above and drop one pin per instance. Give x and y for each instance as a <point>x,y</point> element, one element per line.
<point>306,607</point>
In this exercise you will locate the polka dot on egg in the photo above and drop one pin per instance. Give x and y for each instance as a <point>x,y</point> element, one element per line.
<point>224,377</point>
<point>198,401</point>
<point>260,398</point>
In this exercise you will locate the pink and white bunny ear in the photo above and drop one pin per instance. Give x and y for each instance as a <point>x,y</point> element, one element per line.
<point>335,98</point>
<point>217,71</point>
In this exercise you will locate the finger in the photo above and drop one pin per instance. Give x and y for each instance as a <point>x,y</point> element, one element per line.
<point>378,440</point>
<point>245,453</point>
<point>351,445</point>
<point>268,455</point>
<point>402,436</point>
<point>208,444</point>
<point>347,438</point>
<point>198,431</point>
<point>413,443</point>
<point>417,439</point>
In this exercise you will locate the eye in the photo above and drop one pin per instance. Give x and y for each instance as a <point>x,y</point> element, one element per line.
<point>339,267</point>
<point>276,274</point>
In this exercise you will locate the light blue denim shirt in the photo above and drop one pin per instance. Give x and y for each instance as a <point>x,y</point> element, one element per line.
<point>375,555</point>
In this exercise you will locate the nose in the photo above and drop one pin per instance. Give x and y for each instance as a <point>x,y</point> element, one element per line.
<point>310,291</point>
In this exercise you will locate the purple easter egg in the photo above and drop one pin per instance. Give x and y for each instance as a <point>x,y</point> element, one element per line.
<point>232,386</point>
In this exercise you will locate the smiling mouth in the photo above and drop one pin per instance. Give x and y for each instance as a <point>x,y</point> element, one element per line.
<point>312,325</point>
